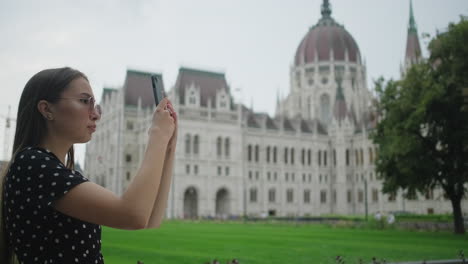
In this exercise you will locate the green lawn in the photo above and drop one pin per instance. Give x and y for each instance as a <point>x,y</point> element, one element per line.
<point>198,242</point>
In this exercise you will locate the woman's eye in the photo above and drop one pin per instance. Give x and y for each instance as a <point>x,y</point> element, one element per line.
<point>85,101</point>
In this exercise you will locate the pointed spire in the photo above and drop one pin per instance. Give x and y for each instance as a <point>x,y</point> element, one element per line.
<point>326,9</point>
<point>412,23</point>
<point>413,48</point>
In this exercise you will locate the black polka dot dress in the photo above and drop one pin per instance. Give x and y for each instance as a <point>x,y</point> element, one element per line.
<point>35,230</point>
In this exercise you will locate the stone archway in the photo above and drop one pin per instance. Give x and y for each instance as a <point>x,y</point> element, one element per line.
<point>222,203</point>
<point>190,203</point>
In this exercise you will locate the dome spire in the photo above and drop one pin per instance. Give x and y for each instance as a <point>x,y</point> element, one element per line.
<point>412,23</point>
<point>326,9</point>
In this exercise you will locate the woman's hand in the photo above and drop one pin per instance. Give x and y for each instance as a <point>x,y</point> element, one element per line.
<point>163,124</point>
<point>173,141</point>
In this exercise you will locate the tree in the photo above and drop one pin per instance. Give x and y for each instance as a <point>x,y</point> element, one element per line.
<point>422,134</point>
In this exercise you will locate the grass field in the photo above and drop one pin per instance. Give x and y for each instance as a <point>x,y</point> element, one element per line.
<point>199,242</point>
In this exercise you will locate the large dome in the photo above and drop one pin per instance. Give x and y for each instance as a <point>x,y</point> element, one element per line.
<point>325,36</point>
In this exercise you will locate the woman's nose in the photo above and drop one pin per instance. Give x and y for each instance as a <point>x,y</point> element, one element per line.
<point>96,113</point>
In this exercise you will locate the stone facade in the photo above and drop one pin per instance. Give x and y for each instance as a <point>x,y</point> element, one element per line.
<point>314,157</point>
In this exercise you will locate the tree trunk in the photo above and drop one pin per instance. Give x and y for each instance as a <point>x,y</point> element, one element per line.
<point>458,224</point>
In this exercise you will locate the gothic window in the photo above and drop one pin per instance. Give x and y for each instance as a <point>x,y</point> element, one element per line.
<point>323,196</point>
<point>253,195</point>
<point>302,156</point>
<point>347,157</point>
<point>257,150</point>
<point>129,125</point>
<point>195,144</point>
<point>249,153</point>
<point>219,146</point>
<point>292,156</point>
<point>362,156</point>
<point>306,196</point>
<point>289,195</point>
<point>268,154</point>
<point>271,195</point>
<point>356,153</point>
<point>274,154</point>
<point>192,98</point>
<point>375,195</point>
<point>360,196</point>
<point>285,155</point>
<point>226,147</point>
<point>334,157</point>
<point>223,102</point>
<point>319,158</point>
<point>309,157</point>
<point>187,144</point>
<point>325,109</point>
<point>325,158</point>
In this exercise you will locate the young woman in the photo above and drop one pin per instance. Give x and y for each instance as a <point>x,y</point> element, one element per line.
<point>50,212</point>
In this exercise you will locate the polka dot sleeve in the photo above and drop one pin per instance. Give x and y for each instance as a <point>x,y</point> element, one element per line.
<point>43,176</point>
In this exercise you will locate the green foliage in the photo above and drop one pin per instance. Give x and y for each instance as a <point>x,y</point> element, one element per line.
<point>198,242</point>
<point>423,132</point>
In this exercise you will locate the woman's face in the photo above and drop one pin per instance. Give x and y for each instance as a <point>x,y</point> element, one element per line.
<point>75,117</point>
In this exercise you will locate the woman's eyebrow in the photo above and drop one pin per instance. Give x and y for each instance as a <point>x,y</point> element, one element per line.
<point>86,94</point>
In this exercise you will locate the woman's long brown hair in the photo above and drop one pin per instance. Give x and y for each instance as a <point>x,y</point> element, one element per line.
<point>31,128</point>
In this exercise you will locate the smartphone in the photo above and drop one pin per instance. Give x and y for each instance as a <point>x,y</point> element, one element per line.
<point>158,88</point>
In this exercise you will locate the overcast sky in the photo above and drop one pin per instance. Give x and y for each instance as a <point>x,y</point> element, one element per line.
<point>252,42</point>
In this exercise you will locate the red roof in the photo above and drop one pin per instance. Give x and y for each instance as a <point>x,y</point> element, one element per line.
<point>325,36</point>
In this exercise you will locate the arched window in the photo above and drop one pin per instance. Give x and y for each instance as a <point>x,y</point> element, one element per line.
<point>309,157</point>
<point>195,144</point>
<point>187,144</point>
<point>334,157</point>
<point>226,147</point>
<point>285,155</point>
<point>306,196</point>
<point>371,156</point>
<point>325,158</point>
<point>274,155</point>
<point>347,157</point>
<point>249,153</point>
<point>253,195</point>
<point>302,156</point>
<point>362,156</point>
<point>325,113</point>
<point>292,156</point>
<point>268,154</point>
<point>271,195</point>
<point>319,157</point>
<point>356,153</point>
<point>219,143</point>
<point>257,152</point>
<point>290,196</point>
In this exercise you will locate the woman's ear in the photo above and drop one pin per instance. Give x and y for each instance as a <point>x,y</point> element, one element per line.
<point>44,108</point>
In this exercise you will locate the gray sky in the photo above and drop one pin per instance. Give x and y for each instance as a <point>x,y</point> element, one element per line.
<point>253,42</point>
